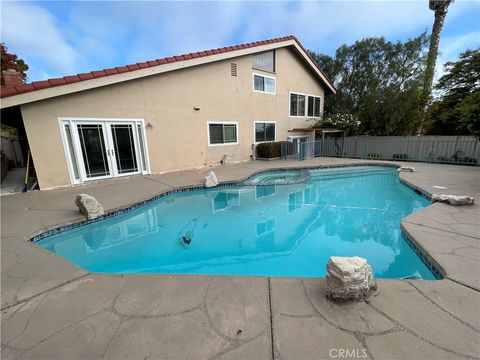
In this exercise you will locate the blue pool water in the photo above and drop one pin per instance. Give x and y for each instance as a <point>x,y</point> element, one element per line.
<point>283,230</point>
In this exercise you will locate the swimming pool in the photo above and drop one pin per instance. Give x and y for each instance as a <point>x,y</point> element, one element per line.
<point>266,230</point>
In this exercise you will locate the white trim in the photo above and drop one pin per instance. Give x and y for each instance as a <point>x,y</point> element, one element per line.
<point>264,122</point>
<point>264,76</point>
<point>145,145</point>
<point>66,149</point>
<point>64,118</point>
<point>290,105</point>
<point>319,109</point>
<point>222,123</point>
<point>105,125</point>
<point>298,136</point>
<point>117,78</point>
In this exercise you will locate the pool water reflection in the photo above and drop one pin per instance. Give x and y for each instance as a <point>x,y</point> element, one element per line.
<point>283,230</point>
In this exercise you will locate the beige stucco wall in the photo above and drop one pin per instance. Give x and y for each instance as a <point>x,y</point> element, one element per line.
<point>179,137</point>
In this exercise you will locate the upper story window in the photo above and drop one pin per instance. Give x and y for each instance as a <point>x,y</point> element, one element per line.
<point>222,133</point>
<point>313,106</point>
<point>264,61</point>
<point>264,131</point>
<point>263,83</point>
<point>297,104</point>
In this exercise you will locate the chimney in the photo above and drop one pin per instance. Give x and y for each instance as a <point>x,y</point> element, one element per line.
<point>12,77</point>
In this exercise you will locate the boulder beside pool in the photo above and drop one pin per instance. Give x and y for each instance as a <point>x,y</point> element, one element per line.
<point>211,180</point>
<point>453,199</point>
<point>89,206</point>
<point>406,169</point>
<point>349,278</point>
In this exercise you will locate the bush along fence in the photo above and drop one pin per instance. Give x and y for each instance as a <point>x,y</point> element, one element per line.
<point>446,150</point>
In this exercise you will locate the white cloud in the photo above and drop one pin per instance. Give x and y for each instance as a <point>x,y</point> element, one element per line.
<point>94,35</point>
<point>32,33</point>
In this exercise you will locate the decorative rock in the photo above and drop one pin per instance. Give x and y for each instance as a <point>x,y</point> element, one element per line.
<point>406,169</point>
<point>211,180</point>
<point>89,206</point>
<point>349,278</point>
<point>453,199</point>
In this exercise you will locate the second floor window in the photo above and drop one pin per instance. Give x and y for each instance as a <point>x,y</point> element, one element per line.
<point>262,83</point>
<point>297,104</point>
<point>313,106</point>
<point>264,61</point>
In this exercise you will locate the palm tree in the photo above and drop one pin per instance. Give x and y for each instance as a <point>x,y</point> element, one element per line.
<point>440,7</point>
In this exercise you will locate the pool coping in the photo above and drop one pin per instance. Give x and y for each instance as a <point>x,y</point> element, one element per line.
<point>430,262</point>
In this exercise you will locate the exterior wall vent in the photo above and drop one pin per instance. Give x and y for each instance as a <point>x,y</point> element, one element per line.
<point>233,69</point>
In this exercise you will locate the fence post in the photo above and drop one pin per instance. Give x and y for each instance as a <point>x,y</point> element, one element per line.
<point>430,157</point>
<point>366,150</point>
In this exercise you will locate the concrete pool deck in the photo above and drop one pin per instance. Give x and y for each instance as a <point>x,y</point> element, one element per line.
<point>52,309</point>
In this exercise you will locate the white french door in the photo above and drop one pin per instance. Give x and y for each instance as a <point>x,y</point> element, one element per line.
<point>104,148</point>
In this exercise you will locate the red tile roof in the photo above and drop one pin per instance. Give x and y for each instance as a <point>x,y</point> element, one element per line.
<point>39,85</point>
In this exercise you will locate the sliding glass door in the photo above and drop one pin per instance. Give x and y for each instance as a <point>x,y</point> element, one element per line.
<point>94,150</point>
<point>98,149</point>
<point>124,148</point>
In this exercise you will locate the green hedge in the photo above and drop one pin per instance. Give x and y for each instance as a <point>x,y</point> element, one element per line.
<point>269,150</point>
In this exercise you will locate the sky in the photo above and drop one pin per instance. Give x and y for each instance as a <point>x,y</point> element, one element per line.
<point>67,37</point>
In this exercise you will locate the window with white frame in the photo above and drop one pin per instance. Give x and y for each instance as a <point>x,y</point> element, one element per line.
<point>297,104</point>
<point>264,61</point>
<point>264,131</point>
<point>263,83</point>
<point>313,106</point>
<point>222,133</point>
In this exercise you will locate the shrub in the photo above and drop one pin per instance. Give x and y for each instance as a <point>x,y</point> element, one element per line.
<point>400,156</point>
<point>457,157</point>
<point>374,156</point>
<point>443,158</point>
<point>269,150</point>
<point>469,160</point>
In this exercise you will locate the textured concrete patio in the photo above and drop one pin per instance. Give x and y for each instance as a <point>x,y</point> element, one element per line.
<point>52,309</point>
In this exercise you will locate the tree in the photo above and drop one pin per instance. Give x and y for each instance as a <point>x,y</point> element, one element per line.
<point>378,83</point>
<point>457,112</point>
<point>440,7</point>
<point>11,61</point>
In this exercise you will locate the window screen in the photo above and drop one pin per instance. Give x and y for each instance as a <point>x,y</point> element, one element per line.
<point>314,106</point>
<point>297,105</point>
<point>222,133</point>
<point>263,83</point>
<point>264,61</point>
<point>264,132</point>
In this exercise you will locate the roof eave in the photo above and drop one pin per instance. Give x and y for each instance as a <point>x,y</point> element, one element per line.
<point>51,92</point>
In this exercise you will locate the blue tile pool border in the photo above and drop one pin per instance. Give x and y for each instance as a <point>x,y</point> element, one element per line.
<point>431,265</point>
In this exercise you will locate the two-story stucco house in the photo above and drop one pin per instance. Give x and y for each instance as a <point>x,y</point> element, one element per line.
<point>180,112</point>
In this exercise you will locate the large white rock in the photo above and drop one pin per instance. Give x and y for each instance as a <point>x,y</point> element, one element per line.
<point>349,278</point>
<point>211,180</point>
<point>453,199</point>
<point>406,169</point>
<point>89,206</point>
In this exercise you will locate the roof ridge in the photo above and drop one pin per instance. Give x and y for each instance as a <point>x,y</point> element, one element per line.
<point>70,79</point>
